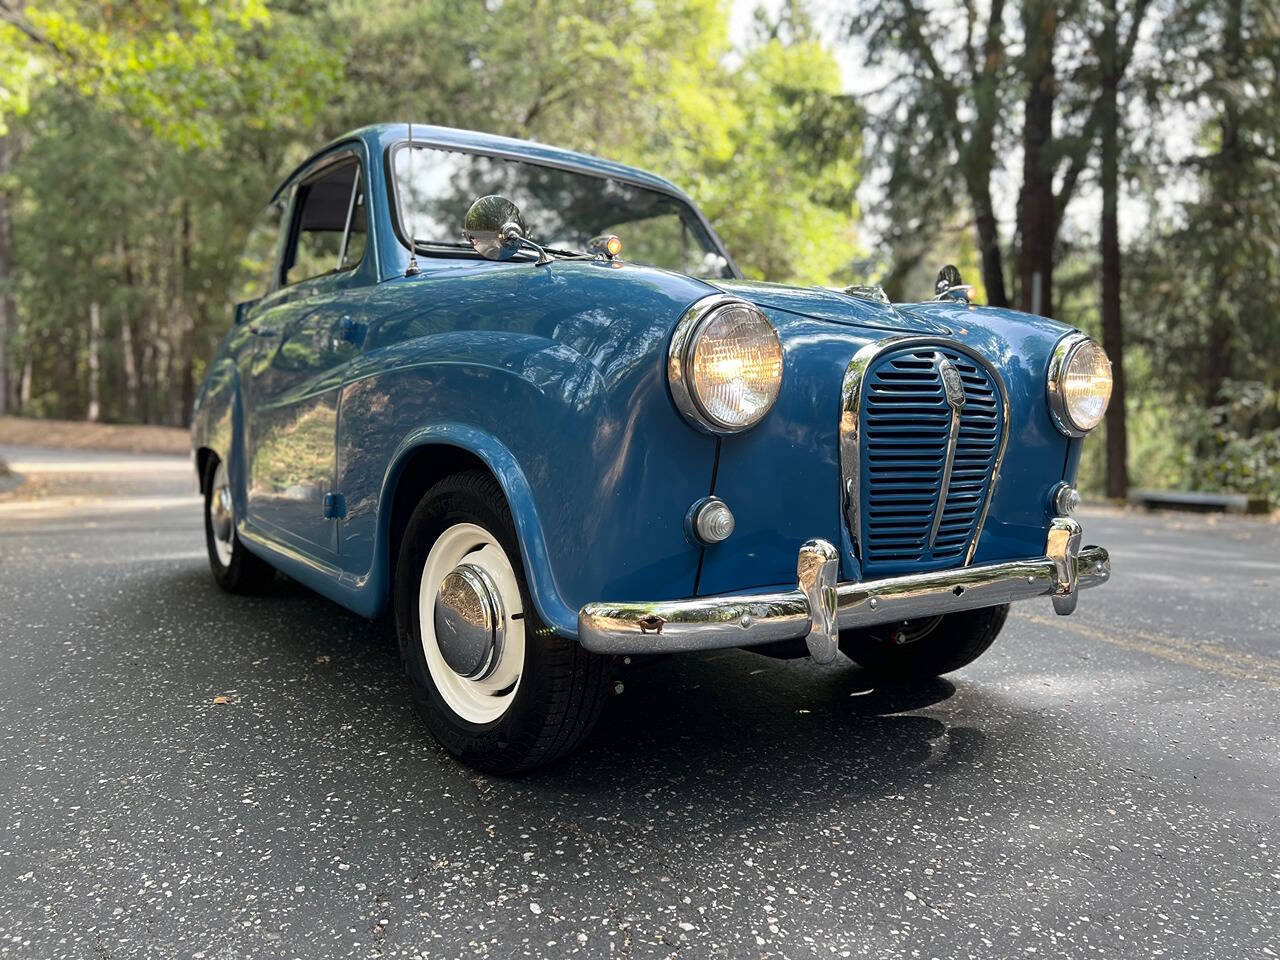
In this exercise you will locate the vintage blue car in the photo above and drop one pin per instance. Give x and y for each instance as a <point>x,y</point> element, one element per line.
<point>523,398</point>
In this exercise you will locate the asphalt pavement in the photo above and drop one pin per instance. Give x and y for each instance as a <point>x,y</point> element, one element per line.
<point>185,773</point>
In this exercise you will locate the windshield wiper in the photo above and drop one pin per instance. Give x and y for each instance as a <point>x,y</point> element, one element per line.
<point>433,244</point>
<point>462,245</point>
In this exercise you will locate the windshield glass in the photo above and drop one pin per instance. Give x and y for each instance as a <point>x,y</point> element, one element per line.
<point>563,210</point>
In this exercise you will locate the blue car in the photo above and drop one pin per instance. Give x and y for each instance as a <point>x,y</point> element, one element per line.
<point>523,399</point>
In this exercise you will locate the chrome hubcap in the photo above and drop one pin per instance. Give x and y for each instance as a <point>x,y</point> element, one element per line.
<point>221,515</point>
<point>471,618</point>
<point>469,621</point>
<point>909,631</point>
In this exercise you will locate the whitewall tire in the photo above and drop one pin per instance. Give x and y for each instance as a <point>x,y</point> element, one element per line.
<point>476,553</point>
<point>497,688</point>
<point>234,568</point>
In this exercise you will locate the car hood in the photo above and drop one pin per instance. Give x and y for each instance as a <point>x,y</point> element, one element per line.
<point>935,318</point>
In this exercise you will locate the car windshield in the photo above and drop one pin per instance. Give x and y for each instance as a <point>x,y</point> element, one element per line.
<point>562,209</point>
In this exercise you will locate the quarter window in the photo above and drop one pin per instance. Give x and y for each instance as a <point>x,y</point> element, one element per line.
<point>329,224</point>
<point>253,272</point>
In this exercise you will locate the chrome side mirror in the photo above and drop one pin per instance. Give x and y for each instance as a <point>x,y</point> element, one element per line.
<point>494,228</point>
<point>950,285</point>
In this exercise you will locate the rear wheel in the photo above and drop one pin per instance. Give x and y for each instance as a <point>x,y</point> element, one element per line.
<point>496,686</point>
<point>234,568</point>
<point>909,650</point>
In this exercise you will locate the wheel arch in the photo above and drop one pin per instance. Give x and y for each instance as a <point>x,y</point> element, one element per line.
<point>433,453</point>
<point>217,423</point>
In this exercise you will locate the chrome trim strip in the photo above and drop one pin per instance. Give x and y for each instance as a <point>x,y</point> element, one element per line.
<point>819,608</point>
<point>948,375</point>
<point>948,464</point>
<point>1059,360</point>
<point>851,422</point>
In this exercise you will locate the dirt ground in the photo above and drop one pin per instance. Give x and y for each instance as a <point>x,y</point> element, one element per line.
<point>72,434</point>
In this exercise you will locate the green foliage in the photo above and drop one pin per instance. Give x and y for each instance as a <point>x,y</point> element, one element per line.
<point>148,135</point>
<point>1232,448</point>
<point>161,63</point>
<point>784,212</point>
<point>1202,283</point>
<point>1240,454</point>
<point>142,207</point>
<point>644,83</point>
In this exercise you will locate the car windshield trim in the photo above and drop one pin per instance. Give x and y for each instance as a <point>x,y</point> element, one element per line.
<point>446,248</point>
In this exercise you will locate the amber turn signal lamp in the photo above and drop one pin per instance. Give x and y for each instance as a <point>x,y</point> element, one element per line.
<point>608,245</point>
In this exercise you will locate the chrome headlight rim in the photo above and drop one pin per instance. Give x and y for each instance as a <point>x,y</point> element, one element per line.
<point>680,354</point>
<point>1059,365</point>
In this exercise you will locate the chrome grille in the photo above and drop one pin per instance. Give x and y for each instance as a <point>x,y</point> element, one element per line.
<point>920,493</point>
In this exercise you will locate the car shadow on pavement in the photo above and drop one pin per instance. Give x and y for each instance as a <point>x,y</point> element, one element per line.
<point>728,735</point>
<point>737,724</point>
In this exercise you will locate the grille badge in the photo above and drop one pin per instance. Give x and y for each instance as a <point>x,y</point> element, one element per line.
<point>952,385</point>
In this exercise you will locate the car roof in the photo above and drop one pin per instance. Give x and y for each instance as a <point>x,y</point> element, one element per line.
<point>382,135</point>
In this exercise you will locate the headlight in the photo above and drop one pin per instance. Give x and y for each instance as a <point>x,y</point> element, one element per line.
<point>1079,385</point>
<point>725,365</point>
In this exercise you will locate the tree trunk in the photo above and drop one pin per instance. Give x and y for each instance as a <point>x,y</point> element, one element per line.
<point>129,359</point>
<point>1231,157</point>
<point>94,412</point>
<point>131,332</point>
<point>1112,327</point>
<point>6,273</point>
<point>24,387</point>
<point>68,403</point>
<point>1037,205</point>
<point>980,158</point>
<point>989,249</point>
<point>180,324</point>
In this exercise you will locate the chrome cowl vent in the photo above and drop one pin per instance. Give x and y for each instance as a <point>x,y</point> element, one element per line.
<point>923,428</point>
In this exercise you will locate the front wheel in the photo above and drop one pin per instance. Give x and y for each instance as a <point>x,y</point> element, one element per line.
<point>912,650</point>
<point>496,686</point>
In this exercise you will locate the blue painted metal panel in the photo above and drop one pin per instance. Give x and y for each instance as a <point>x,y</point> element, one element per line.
<point>292,377</point>
<point>559,372</point>
<point>781,478</point>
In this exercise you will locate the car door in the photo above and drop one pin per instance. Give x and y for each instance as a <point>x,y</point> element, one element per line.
<point>305,342</point>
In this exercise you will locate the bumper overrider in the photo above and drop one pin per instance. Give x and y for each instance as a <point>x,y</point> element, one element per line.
<point>820,607</point>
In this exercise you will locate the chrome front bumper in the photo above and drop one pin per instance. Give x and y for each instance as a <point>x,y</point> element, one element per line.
<point>819,608</point>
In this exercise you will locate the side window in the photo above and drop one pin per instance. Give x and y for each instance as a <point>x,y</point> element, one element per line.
<point>329,224</point>
<point>253,272</point>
